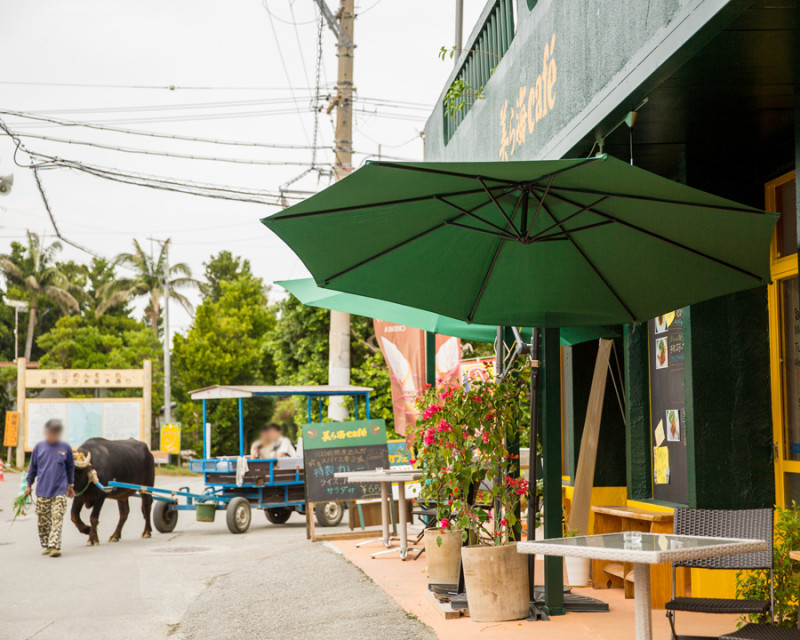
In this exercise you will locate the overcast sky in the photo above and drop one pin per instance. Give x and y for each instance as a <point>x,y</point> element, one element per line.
<point>242,70</point>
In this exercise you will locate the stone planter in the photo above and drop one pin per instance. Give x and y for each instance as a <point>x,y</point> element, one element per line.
<point>497,583</point>
<point>444,561</point>
<point>577,571</point>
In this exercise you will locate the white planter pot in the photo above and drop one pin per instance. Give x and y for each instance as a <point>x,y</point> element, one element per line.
<point>578,571</point>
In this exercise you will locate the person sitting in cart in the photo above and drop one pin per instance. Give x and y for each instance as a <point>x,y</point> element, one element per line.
<point>272,444</point>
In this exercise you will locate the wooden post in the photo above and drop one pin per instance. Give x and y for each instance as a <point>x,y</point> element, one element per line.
<point>147,395</point>
<point>584,474</point>
<point>21,367</point>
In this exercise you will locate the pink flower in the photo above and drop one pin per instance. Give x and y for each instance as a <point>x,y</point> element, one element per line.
<point>444,425</point>
<point>503,522</point>
<point>445,523</point>
<point>431,411</point>
<point>485,438</point>
<point>429,437</point>
<point>412,461</point>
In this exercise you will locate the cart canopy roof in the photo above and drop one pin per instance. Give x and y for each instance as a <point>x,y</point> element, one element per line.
<point>220,391</point>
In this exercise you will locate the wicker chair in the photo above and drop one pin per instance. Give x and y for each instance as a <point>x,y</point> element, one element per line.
<point>742,523</point>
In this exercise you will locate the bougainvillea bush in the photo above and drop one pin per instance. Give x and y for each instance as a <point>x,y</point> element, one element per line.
<point>462,447</point>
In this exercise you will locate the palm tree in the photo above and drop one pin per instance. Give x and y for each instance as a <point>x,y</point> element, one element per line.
<point>36,272</point>
<point>148,282</point>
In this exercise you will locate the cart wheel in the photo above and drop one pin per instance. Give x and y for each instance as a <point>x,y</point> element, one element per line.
<point>238,515</point>
<point>329,514</point>
<point>278,515</point>
<point>164,518</point>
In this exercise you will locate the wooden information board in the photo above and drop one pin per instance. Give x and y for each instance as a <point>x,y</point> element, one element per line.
<point>668,408</point>
<point>84,418</point>
<point>339,447</point>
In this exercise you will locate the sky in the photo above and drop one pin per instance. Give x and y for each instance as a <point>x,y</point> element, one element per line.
<point>242,71</point>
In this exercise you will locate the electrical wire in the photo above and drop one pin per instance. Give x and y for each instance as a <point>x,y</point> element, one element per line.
<point>283,64</point>
<point>165,154</point>
<point>151,134</point>
<point>158,87</point>
<point>167,107</point>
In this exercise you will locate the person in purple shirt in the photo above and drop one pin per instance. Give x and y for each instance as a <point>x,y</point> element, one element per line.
<point>53,469</point>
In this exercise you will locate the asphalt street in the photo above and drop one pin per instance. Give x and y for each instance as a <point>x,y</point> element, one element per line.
<point>199,582</point>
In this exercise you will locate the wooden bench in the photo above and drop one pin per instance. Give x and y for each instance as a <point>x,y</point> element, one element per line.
<point>609,575</point>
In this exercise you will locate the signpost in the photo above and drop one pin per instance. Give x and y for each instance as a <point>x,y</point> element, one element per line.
<point>337,447</point>
<point>11,433</point>
<point>113,418</point>
<point>170,441</point>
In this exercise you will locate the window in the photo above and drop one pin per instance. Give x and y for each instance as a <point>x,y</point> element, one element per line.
<point>784,334</point>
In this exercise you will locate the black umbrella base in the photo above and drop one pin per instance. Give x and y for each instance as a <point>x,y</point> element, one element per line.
<point>573,603</point>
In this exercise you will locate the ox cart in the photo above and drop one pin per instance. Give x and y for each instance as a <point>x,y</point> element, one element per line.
<point>238,484</point>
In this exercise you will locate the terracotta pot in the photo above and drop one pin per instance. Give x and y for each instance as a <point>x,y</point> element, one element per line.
<point>497,583</point>
<point>444,561</point>
<point>577,573</point>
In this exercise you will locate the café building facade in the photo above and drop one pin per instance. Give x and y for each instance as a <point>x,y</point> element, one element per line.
<point>704,92</point>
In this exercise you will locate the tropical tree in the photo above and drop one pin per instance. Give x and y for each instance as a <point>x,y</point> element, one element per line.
<point>226,344</point>
<point>148,282</point>
<point>42,281</point>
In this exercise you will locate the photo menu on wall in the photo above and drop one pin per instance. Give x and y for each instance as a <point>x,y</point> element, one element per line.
<point>668,407</point>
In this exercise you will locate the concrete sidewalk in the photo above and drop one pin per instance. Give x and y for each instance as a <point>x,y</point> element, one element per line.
<point>199,582</point>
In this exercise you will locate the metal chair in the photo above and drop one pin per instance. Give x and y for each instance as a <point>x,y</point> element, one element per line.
<point>722,523</point>
<point>426,515</point>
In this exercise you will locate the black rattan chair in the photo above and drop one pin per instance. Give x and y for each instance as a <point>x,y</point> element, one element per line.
<point>753,631</point>
<point>722,523</point>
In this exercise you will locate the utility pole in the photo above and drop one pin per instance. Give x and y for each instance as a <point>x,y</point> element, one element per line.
<point>339,338</point>
<point>167,368</point>
<point>459,39</point>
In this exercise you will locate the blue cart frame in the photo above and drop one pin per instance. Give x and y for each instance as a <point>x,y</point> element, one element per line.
<point>278,491</point>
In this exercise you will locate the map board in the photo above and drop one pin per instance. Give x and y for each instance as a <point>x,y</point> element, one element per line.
<point>85,418</point>
<point>339,447</point>
<point>668,408</point>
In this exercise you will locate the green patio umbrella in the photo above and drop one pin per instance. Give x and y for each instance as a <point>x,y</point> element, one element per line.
<point>307,292</point>
<point>545,244</point>
<point>542,244</point>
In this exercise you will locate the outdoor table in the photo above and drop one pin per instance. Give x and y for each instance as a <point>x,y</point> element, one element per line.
<point>386,477</point>
<point>653,548</point>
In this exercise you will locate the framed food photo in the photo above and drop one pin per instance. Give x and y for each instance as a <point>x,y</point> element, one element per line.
<point>673,425</point>
<point>662,353</point>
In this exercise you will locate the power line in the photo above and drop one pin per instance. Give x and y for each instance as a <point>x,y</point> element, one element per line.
<point>152,134</point>
<point>166,154</point>
<point>168,107</point>
<point>158,87</point>
<point>283,64</point>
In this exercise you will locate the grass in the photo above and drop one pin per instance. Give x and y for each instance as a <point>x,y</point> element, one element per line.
<point>173,470</point>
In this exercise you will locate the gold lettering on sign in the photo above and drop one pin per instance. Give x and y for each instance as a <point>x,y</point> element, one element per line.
<point>532,104</point>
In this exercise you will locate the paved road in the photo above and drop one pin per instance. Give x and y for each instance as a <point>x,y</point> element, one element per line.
<point>198,583</point>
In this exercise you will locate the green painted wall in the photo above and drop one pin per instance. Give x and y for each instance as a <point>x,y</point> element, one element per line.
<point>637,436</point>
<point>728,407</point>
<point>610,468</point>
<point>588,58</point>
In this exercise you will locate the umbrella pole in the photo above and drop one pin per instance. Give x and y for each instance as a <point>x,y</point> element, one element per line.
<point>537,612</point>
<point>551,464</point>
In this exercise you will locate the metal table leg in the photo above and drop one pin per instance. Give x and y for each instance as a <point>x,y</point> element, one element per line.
<point>403,522</point>
<point>641,595</point>
<point>386,539</point>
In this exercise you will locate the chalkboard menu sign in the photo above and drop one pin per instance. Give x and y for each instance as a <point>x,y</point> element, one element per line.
<point>668,408</point>
<point>339,447</point>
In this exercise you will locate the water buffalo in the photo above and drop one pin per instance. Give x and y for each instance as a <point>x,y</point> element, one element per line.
<point>103,460</point>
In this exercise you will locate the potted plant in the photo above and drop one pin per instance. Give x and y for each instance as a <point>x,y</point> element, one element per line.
<point>439,444</point>
<point>487,492</point>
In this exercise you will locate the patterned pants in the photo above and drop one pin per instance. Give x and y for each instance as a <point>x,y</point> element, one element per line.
<point>50,516</point>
